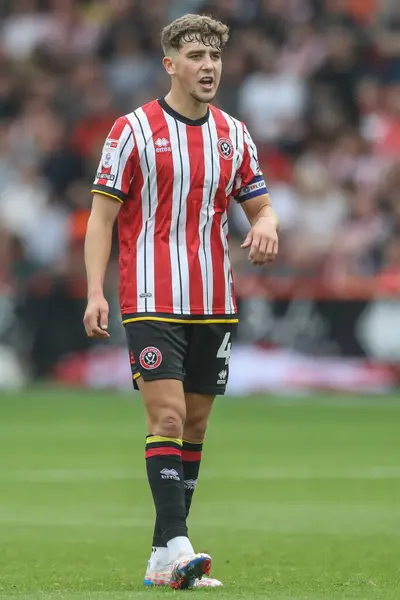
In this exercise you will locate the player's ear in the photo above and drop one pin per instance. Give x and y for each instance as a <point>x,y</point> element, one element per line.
<point>169,64</point>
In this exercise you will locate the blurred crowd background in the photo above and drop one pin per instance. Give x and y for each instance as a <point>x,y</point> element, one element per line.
<point>317,83</point>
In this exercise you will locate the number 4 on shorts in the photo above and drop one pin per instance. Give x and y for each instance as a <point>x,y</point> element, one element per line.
<point>224,351</point>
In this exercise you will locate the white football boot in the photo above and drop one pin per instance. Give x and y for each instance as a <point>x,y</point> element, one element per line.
<point>184,569</point>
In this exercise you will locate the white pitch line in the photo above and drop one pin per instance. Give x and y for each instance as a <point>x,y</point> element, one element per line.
<point>288,520</point>
<point>69,475</point>
<point>259,474</point>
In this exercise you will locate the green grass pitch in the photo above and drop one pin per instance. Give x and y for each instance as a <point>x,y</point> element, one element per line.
<point>298,499</point>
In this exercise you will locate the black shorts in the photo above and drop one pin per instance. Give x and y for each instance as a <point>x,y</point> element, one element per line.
<point>196,354</point>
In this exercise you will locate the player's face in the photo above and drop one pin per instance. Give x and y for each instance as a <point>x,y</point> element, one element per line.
<point>198,70</point>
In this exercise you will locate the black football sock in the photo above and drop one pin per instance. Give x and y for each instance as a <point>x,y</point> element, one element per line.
<point>191,459</point>
<point>165,475</point>
<point>158,541</point>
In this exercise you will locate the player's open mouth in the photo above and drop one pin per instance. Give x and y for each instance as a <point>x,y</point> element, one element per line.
<point>207,82</point>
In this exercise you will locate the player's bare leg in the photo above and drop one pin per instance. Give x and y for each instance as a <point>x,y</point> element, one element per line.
<point>198,409</point>
<point>165,413</point>
<point>165,406</point>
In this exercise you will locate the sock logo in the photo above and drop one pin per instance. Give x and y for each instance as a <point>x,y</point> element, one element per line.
<point>190,484</point>
<point>169,474</point>
<point>150,358</point>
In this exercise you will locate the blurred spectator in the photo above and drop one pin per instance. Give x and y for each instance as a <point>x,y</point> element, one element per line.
<point>60,164</point>
<point>25,28</point>
<point>99,115</point>
<point>319,209</point>
<point>382,127</point>
<point>130,69</point>
<point>272,101</point>
<point>357,241</point>
<point>341,71</point>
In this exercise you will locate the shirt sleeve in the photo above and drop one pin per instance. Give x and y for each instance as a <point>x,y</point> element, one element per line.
<point>118,161</point>
<point>249,180</point>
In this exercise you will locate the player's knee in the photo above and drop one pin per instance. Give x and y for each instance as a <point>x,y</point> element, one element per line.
<point>195,429</point>
<point>168,423</point>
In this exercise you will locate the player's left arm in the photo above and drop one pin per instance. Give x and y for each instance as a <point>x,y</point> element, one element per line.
<point>250,191</point>
<point>262,239</point>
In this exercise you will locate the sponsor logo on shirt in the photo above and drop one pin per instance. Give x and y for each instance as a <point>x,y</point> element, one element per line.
<point>110,143</point>
<point>252,187</point>
<point>108,176</point>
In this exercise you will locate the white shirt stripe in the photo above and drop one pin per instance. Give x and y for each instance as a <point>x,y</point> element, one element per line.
<point>238,179</point>
<point>252,151</point>
<point>126,146</point>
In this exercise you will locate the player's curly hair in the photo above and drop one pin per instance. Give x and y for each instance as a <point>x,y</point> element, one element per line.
<point>190,28</point>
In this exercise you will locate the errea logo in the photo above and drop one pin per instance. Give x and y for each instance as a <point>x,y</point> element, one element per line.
<point>169,474</point>
<point>222,376</point>
<point>162,145</point>
<point>190,484</point>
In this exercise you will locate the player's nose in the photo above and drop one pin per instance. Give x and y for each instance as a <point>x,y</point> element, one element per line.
<point>207,64</point>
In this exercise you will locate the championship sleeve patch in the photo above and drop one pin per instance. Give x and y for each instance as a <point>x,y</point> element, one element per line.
<point>256,187</point>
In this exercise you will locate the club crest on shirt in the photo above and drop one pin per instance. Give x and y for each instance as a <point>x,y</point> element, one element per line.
<point>150,358</point>
<point>225,148</point>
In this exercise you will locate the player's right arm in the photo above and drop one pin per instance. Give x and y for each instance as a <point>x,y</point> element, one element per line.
<point>110,190</point>
<point>97,253</point>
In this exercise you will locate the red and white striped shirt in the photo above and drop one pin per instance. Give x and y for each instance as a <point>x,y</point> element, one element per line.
<point>175,177</point>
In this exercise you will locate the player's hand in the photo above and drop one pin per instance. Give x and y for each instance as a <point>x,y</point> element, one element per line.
<point>96,317</point>
<point>262,240</point>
